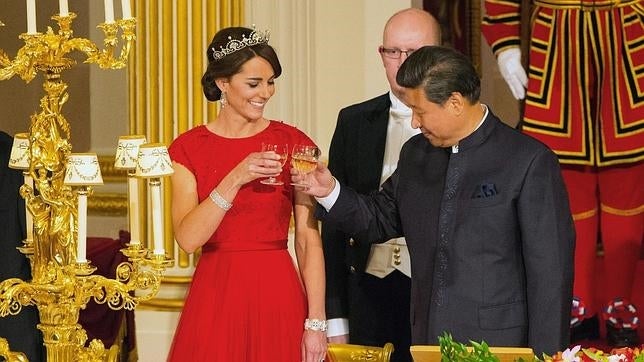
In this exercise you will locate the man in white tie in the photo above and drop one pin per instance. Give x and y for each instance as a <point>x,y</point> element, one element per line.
<point>368,287</point>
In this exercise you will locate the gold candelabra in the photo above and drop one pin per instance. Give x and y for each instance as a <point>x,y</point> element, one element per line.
<point>62,279</point>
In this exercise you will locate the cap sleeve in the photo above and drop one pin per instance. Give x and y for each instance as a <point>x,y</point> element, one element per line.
<point>179,153</point>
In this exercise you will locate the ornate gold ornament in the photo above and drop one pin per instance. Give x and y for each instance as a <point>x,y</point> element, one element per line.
<point>62,280</point>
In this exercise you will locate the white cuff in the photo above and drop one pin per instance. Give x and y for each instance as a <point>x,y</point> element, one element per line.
<point>328,201</point>
<point>337,327</point>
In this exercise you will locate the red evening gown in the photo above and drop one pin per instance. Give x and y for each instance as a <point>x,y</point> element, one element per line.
<point>246,301</point>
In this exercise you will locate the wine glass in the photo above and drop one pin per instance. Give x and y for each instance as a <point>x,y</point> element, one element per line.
<point>282,151</point>
<point>304,159</point>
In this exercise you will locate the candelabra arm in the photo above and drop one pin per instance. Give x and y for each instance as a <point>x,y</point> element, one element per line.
<point>105,58</point>
<point>4,62</point>
<point>119,293</point>
<point>14,294</point>
<point>10,356</point>
<point>83,45</point>
<point>23,64</point>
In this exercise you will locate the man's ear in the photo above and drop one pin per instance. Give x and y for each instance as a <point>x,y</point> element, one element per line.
<point>456,103</point>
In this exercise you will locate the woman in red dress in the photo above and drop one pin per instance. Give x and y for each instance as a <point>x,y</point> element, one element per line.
<point>248,301</point>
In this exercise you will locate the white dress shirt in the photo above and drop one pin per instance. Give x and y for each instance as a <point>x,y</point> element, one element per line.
<point>392,255</point>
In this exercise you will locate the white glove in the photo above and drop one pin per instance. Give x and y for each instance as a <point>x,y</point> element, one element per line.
<point>512,71</point>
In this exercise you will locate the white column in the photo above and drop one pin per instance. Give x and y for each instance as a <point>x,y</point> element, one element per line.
<point>81,241</point>
<point>31,16</point>
<point>133,209</point>
<point>126,9</point>
<point>109,11</point>
<point>63,8</point>
<point>157,219</point>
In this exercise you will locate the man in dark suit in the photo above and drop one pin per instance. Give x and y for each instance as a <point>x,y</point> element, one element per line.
<point>19,330</point>
<point>368,287</point>
<point>483,209</point>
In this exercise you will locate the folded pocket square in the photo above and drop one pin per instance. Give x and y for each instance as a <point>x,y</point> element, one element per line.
<point>484,190</point>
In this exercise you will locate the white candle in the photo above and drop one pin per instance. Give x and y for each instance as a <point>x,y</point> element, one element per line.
<point>63,9</point>
<point>133,195</point>
<point>31,16</point>
<point>81,247</point>
<point>127,11</point>
<point>109,11</point>
<point>157,222</point>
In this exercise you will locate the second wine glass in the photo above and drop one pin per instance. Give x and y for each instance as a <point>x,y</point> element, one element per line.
<point>282,151</point>
<point>304,159</point>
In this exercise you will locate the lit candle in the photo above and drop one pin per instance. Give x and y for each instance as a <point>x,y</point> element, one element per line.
<point>133,194</point>
<point>127,11</point>
<point>62,6</point>
<point>81,247</point>
<point>157,222</point>
<point>31,16</point>
<point>109,11</point>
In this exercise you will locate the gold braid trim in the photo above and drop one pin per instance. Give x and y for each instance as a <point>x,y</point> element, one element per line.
<point>581,5</point>
<point>620,212</point>
<point>584,215</point>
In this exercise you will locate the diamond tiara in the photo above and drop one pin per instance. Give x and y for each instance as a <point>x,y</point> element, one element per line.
<point>233,45</point>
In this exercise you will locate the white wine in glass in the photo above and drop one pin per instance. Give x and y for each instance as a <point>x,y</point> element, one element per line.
<point>304,159</point>
<point>282,151</point>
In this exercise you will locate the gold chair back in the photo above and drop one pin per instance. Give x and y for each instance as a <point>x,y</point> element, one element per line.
<point>355,352</point>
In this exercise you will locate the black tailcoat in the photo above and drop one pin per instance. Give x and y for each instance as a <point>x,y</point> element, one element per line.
<point>356,159</point>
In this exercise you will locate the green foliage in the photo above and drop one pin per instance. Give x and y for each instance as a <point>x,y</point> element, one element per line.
<point>452,351</point>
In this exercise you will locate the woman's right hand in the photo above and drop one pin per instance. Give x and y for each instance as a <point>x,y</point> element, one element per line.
<point>256,165</point>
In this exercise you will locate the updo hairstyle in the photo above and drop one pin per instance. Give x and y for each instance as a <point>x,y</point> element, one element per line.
<point>231,63</point>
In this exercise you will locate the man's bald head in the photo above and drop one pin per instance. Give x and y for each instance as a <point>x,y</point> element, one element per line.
<point>406,30</point>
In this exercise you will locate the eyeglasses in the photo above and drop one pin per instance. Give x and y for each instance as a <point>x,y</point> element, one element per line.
<point>394,53</point>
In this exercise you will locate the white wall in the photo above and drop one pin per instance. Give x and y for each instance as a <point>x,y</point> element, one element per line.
<point>328,50</point>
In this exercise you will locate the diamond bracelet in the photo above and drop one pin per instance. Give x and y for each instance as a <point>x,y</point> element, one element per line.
<point>219,200</point>
<point>315,325</point>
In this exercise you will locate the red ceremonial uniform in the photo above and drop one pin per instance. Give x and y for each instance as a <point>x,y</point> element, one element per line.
<point>585,100</point>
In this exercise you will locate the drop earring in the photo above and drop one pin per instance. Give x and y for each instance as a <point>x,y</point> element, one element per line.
<point>222,100</point>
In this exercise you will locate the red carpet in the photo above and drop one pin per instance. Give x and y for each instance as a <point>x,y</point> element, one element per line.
<point>637,299</point>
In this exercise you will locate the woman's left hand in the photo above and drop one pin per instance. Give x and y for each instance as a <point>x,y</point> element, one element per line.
<point>314,346</point>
